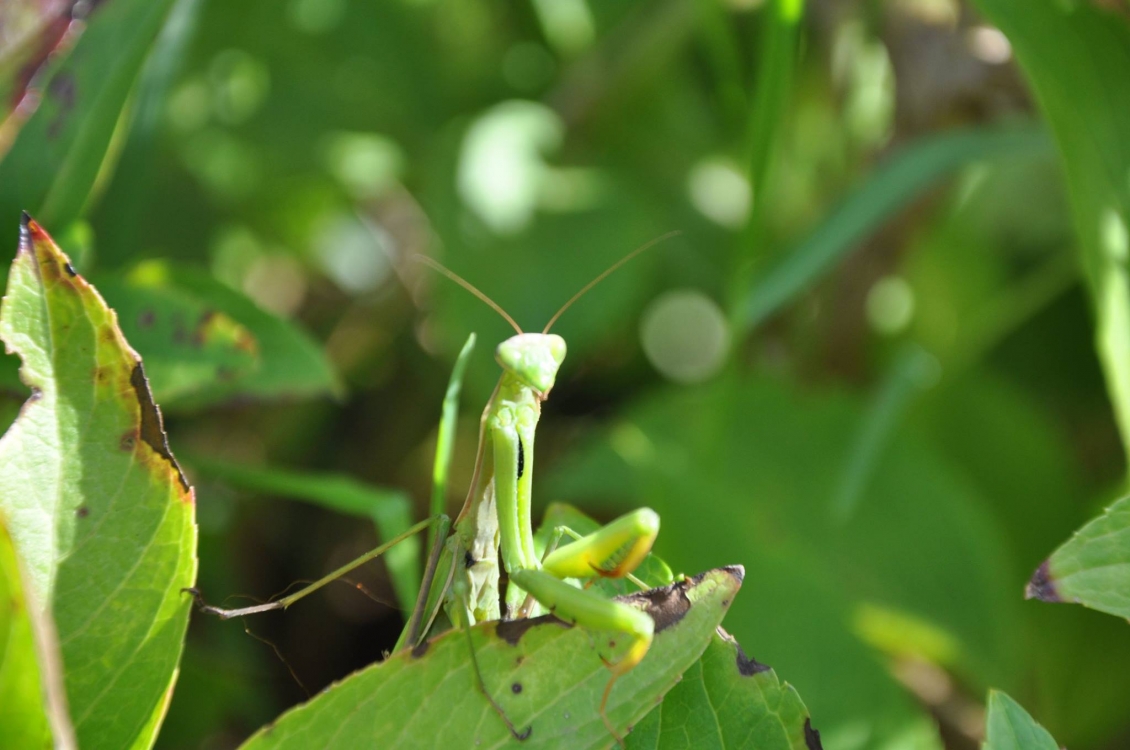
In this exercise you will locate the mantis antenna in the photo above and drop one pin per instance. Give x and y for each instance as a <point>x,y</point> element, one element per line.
<point>468,286</point>
<point>606,274</point>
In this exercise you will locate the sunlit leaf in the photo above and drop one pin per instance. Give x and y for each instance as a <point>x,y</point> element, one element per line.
<point>546,677</point>
<point>1009,727</point>
<point>96,503</point>
<point>24,686</point>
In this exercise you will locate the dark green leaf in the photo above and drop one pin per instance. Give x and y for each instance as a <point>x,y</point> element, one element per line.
<point>72,107</point>
<point>727,700</point>
<point>187,345</point>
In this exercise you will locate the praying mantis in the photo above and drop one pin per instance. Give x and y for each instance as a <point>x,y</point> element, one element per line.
<point>495,523</point>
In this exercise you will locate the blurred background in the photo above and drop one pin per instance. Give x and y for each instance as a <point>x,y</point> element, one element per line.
<point>864,370</point>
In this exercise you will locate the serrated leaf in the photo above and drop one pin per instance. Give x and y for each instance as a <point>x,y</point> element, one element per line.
<point>187,345</point>
<point>727,700</point>
<point>1009,727</point>
<point>71,94</point>
<point>545,676</point>
<point>1092,568</point>
<point>96,504</point>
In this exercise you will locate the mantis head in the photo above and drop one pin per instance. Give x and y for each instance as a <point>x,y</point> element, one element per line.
<point>533,358</point>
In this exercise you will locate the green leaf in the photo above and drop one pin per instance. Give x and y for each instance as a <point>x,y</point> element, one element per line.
<point>1009,727</point>
<point>72,107</point>
<point>389,509</point>
<point>546,677</point>
<point>187,346</point>
<point>902,178</point>
<point>23,686</point>
<point>1093,567</point>
<point>1077,60</point>
<point>96,503</point>
<point>727,700</point>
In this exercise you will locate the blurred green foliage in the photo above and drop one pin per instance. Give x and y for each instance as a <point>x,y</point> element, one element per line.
<point>864,370</point>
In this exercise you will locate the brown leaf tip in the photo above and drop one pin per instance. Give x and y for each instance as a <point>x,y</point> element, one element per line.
<point>811,736</point>
<point>748,667</point>
<point>1042,586</point>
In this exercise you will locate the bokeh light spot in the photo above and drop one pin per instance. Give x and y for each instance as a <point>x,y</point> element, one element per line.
<point>685,335</point>
<point>720,192</point>
<point>890,304</point>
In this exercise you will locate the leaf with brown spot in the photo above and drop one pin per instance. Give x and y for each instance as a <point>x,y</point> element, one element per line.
<point>722,703</point>
<point>1092,568</point>
<point>95,500</point>
<point>188,346</point>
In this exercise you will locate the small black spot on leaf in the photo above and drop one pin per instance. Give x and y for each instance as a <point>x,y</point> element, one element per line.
<point>521,458</point>
<point>82,511</point>
<point>516,688</point>
<point>1042,586</point>
<point>811,736</point>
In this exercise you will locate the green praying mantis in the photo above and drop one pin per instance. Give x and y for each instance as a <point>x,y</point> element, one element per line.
<point>495,523</point>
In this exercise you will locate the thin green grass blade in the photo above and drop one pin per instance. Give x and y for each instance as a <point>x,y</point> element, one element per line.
<point>445,441</point>
<point>901,179</point>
